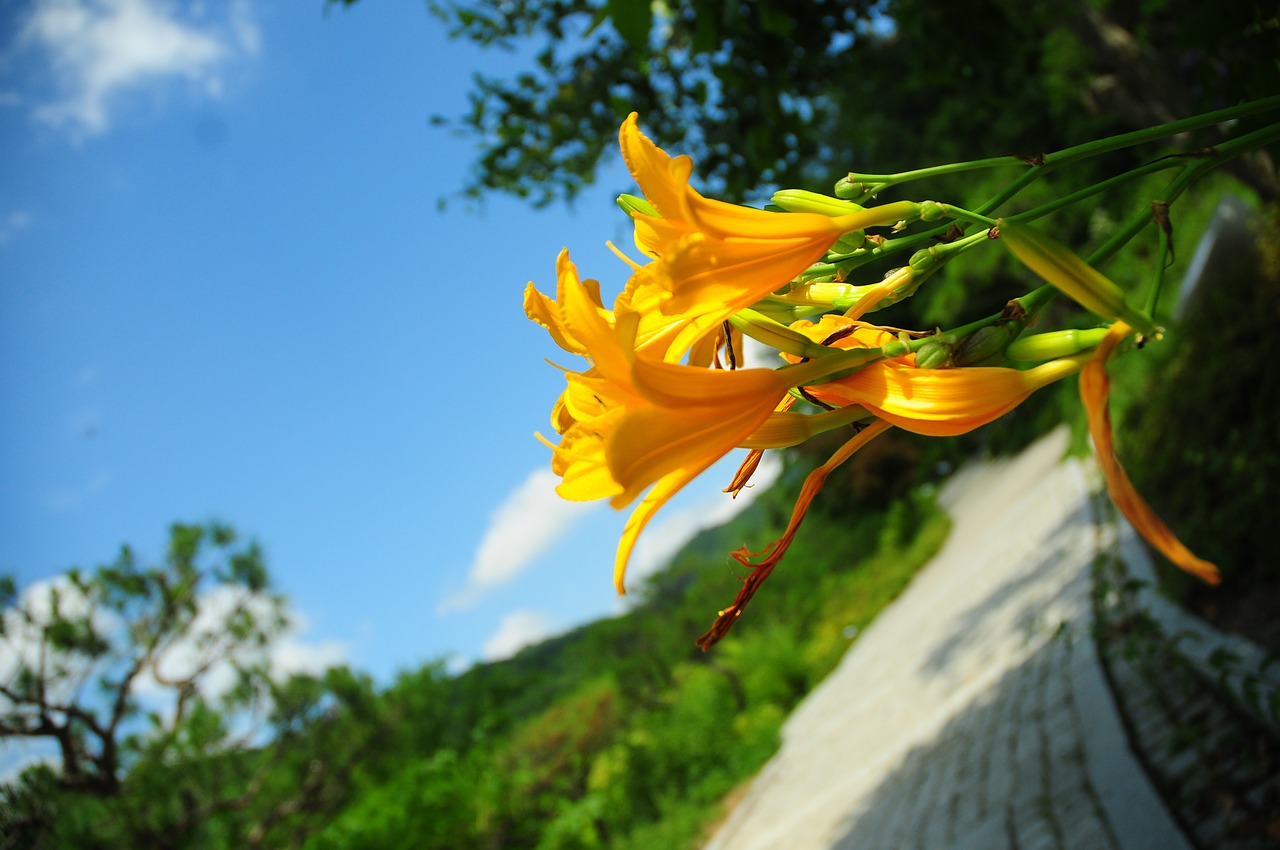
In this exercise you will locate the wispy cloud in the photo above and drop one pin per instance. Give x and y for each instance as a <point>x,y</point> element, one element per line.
<point>288,654</point>
<point>21,638</point>
<point>517,630</point>
<point>59,499</point>
<point>12,224</point>
<point>99,49</point>
<point>68,675</point>
<point>525,525</point>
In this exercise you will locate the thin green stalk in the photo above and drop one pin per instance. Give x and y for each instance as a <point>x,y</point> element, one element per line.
<point>1151,134</point>
<point>969,216</point>
<point>1162,257</point>
<point>874,183</point>
<point>1098,188</point>
<point>1032,302</point>
<point>858,186</point>
<point>1124,140</point>
<point>1190,173</point>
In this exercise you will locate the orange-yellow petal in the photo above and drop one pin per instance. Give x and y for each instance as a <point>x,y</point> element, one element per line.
<point>579,460</point>
<point>763,563</point>
<point>1095,387</point>
<point>652,442</point>
<point>661,493</point>
<point>941,402</point>
<point>583,319</point>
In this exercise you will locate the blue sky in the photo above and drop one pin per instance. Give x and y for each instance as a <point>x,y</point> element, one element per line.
<point>227,291</point>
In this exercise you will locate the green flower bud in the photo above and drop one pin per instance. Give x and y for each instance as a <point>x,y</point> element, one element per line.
<point>934,354</point>
<point>631,205</point>
<point>982,345</point>
<point>850,186</point>
<point>923,260</point>
<point>1051,346</point>
<point>932,211</point>
<point>798,200</point>
<point>895,348</point>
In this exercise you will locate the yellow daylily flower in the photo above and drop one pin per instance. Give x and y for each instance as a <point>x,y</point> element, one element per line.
<point>1095,387</point>
<point>629,423</point>
<point>933,402</point>
<point>578,310</point>
<point>713,258</point>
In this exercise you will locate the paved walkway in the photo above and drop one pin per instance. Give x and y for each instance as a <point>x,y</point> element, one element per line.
<point>977,710</point>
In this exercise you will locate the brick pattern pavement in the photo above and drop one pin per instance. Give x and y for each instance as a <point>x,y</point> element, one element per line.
<point>1213,751</point>
<point>977,711</point>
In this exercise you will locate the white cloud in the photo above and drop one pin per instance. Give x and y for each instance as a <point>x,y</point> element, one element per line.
<point>289,653</point>
<point>70,679</point>
<point>65,498</point>
<point>21,637</point>
<point>98,49</point>
<point>661,541</point>
<point>517,630</point>
<point>286,655</point>
<point>12,224</point>
<point>527,523</point>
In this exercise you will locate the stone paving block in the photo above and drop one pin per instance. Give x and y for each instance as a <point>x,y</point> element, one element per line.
<point>1086,836</point>
<point>987,834</point>
<point>1033,834</point>
<point>971,715</point>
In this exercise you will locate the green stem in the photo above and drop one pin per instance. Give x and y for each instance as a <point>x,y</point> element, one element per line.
<point>872,184</point>
<point>763,329</point>
<point>1192,172</point>
<point>1076,153</point>
<point>862,186</point>
<point>1032,302</point>
<point>968,215</point>
<point>1160,131</point>
<point>790,429</point>
<point>1153,296</point>
<point>1098,188</point>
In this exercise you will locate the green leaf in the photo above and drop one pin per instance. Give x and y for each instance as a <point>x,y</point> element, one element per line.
<point>632,19</point>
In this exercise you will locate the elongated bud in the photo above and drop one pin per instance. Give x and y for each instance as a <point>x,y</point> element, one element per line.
<point>763,329</point>
<point>1051,346</point>
<point>1087,286</point>
<point>799,200</point>
<point>982,345</point>
<point>631,205</point>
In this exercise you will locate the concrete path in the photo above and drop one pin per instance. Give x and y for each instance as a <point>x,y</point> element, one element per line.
<point>977,711</point>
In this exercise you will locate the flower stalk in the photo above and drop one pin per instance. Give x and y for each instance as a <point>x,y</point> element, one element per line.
<point>662,393</point>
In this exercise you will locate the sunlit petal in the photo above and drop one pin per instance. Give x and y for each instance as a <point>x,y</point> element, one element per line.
<point>1095,387</point>
<point>763,563</point>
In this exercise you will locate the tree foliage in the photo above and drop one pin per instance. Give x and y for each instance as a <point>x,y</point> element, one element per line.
<point>172,728</point>
<point>796,93</point>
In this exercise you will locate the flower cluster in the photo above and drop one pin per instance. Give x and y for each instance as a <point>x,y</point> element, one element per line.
<point>661,398</point>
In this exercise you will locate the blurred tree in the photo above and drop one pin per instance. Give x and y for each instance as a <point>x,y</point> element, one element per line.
<point>778,92</point>
<point>157,688</point>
